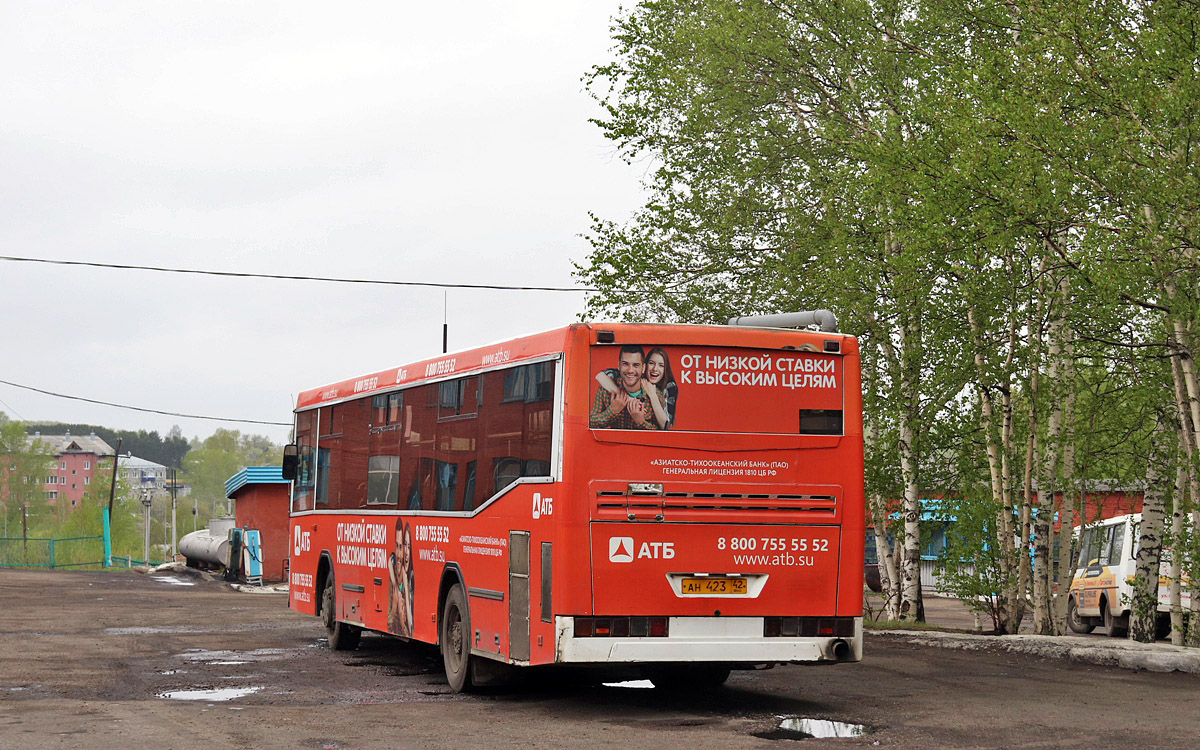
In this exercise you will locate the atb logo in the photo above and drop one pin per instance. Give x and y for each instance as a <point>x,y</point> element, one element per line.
<point>542,506</point>
<point>620,549</point>
<point>300,541</point>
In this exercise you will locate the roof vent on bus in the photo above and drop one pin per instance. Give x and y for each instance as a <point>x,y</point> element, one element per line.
<point>823,319</point>
<point>605,337</point>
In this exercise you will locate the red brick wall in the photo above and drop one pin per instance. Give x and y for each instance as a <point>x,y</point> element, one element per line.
<point>265,507</point>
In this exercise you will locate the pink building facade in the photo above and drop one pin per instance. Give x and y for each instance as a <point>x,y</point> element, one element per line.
<point>77,463</point>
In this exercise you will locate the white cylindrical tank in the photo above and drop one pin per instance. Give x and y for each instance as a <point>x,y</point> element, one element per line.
<point>209,545</point>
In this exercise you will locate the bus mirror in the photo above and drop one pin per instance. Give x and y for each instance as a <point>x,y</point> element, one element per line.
<point>291,461</point>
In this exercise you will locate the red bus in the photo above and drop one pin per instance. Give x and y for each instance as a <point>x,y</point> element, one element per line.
<point>675,500</point>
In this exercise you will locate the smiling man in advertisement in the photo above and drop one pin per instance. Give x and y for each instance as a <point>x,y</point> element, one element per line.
<point>627,406</point>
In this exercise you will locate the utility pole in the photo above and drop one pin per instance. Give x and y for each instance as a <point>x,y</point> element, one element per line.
<point>112,488</point>
<point>146,526</point>
<point>174,503</point>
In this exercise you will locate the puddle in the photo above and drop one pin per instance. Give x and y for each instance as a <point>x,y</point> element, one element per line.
<point>631,684</point>
<point>173,581</point>
<point>214,695</point>
<point>793,728</point>
<point>233,657</point>
<point>173,629</point>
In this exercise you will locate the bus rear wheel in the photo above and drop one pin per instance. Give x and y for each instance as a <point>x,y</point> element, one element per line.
<point>342,637</point>
<point>456,641</point>
<point>1074,621</point>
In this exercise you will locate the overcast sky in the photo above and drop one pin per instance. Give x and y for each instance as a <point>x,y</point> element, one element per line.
<point>405,141</point>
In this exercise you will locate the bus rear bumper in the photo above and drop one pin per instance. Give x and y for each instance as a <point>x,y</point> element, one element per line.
<point>731,640</point>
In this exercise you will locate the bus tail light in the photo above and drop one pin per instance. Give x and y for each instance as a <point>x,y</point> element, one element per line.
<point>621,627</point>
<point>808,627</point>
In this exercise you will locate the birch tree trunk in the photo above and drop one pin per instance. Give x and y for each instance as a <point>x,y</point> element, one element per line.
<point>1045,457</point>
<point>888,581</point>
<point>1070,513</point>
<point>910,573</point>
<point>1178,519</point>
<point>1010,603</point>
<point>1143,617</point>
<point>1188,501</point>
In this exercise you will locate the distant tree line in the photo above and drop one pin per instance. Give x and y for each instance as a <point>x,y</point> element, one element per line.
<point>168,451</point>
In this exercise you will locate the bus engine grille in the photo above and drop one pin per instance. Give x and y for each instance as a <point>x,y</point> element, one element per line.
<point>723,506</point>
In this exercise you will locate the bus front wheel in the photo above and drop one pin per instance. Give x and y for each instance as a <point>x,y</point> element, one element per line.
<point>342,637</point>
<point>456,641</point>
<point>1074,621</point>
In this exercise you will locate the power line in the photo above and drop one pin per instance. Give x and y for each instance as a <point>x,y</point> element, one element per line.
<point>139,408</point>
<point>242,275</point>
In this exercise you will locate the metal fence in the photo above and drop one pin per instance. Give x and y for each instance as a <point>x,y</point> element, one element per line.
<point>72,552</point>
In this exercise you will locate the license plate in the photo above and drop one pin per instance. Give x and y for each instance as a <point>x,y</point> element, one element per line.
<point>712,586</point>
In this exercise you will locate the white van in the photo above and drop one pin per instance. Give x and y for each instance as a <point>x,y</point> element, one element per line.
<point>1102,591</point>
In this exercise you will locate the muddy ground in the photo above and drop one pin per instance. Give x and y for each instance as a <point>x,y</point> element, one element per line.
<point>121,660</point>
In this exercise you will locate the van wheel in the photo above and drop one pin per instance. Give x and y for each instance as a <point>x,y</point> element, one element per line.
<point>1074,621</point>
<point>1162,627</point>
<point>456,641</point>
<point>342,637</point>
<point>1115,630</point>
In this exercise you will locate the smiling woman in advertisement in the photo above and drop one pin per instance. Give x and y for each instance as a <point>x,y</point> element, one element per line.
<point>658,385</point>
<point>400,571</point>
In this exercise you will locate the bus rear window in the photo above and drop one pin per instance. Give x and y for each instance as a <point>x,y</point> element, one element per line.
<point>715,389</point>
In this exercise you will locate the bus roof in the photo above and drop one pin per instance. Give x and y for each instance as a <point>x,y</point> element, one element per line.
<point>533,347</point>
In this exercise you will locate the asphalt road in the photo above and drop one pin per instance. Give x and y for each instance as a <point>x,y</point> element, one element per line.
<point>118,659</point>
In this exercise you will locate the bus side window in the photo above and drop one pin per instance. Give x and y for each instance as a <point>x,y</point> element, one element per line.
<point>1085,541</point>
<point>1105,551</point>
<point>1118,544</point>
<point>302,488</point>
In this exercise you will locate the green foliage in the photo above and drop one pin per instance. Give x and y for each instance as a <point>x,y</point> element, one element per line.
<point>23,469</point>
<point>168,451</point>
<point>970,566</point>
<point>211,462</point>
<point>1000,199</point>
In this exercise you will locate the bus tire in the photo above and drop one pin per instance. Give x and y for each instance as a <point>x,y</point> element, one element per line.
<point>689,677</point>
<point>1074,621</point>
<point>456,641</point>
<point>1110,621</point>
<point>342,637</point>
